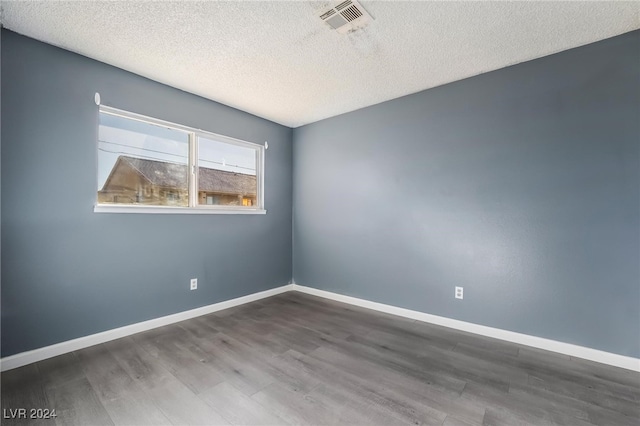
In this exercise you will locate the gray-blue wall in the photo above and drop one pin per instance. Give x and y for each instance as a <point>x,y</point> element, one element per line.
<point>68,272</point>
<point>0,181</point>
<point>521,185</point>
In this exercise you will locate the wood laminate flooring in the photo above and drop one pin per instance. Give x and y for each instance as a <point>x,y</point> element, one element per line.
<point>295,359</point>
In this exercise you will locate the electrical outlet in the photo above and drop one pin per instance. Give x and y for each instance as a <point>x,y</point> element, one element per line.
<point>459,293</point>
<point>194,283</point>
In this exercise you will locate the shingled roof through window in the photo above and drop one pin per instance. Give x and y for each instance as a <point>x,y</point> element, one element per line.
<point>172,175</point>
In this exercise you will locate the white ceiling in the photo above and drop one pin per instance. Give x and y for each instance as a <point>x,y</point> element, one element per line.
<point>279,61</point>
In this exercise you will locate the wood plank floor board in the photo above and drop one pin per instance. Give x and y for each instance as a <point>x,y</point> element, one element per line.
<point>603,371</point>
<point>367,369</point>
<point>59,370</point>
<point>493,355</point>
<point>237,362</point>
<point>518,407</point>
<point>411,340</point>
<point>295,407</point>
<point>527,352</point>
<point>350,314</point>
<point>383,356</point>
<point>327,323</point>
<point>599,416</point>
<point>300,359</point>
<point>290,374</point>
<point>347,314</point>
<point>176,353</point>
<point>500,417</point>
<point>135,409</point>
<point>579,375</point>
<point>549,402</point>
<point>108,379</point>
<point>316,324</point>
<point>493,372</point>
<point>123,398</point>
<point>350,391</point>
<point>394,361</point>
<point>454,421</point>
<point>76,403</point>
<point>17,378</point>
<point>579,368</point>
<point>251,332</point>
<point>429,399</point>
<point>389,387</point>
<point>350,408</point>
<point>182,407</point>
<point>238,408</point>
<point>594,394</point>
<point>254,310</point>
<point>323,323</point>
<point>177,402</point>
<point>22,388</point>
<point>199,327</point>
<point>297,338</point>
<point>540,363</point>
<point>266,344</point>
<point>596,414</point>
<point>146,370</point>
<point>458,336</point>
<point>367,395</point>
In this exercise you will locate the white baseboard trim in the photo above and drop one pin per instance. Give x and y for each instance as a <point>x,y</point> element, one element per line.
<point>616,360</point>
<point>24,358</point>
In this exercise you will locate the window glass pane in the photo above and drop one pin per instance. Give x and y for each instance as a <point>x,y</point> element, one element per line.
<point>226,174</point>
<point>141,163</point>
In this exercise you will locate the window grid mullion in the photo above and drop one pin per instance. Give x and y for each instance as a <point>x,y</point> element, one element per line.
<point>193,170</point>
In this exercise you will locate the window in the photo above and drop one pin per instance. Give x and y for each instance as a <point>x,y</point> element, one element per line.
<point>148,165</point>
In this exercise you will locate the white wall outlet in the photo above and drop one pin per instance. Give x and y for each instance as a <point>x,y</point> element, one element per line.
<point>459,293</point>
<point>194,283</point>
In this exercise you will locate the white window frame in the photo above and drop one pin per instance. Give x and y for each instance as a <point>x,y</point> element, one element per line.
<point>194,207</point>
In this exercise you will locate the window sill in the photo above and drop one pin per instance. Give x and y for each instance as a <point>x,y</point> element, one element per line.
<point>106,208</point>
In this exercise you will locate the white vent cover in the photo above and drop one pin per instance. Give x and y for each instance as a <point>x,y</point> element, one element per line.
<point>346,16</point>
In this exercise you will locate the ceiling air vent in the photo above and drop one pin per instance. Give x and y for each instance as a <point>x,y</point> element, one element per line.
<point>346,16</point>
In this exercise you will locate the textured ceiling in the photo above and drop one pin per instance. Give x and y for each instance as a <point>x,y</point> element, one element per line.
<point>277,59</point>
